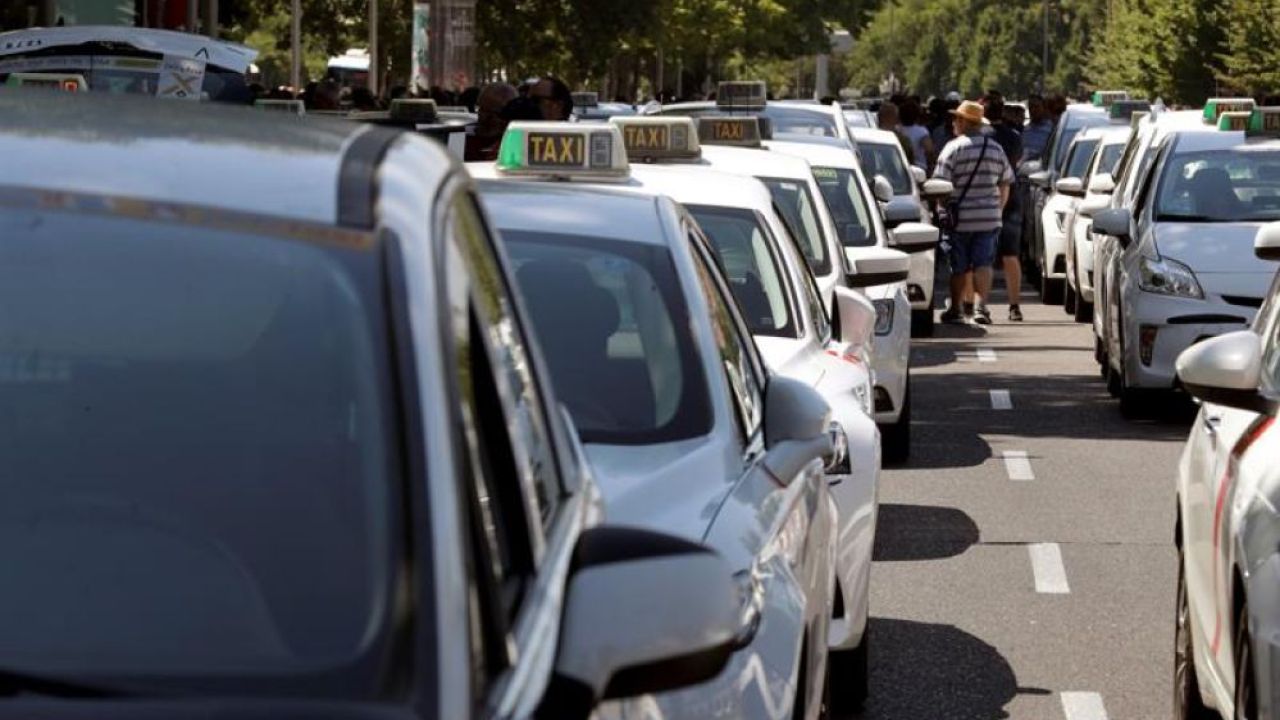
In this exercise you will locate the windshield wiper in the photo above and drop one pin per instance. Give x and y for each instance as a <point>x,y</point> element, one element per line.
<point>1176,217</point>
<point>17,682</point>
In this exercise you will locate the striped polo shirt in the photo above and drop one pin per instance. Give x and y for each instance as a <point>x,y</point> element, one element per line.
<point>980,206</point>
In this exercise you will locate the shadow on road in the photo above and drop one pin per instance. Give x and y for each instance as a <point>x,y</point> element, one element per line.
<point>921,532</point>
<point>924,670</point>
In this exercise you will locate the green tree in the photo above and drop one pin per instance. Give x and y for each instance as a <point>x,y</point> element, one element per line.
<point>1251,64</point>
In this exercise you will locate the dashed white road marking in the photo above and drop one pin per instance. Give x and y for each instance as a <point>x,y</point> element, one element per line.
<point>1051,579</point>
<point>1000,400</point>
<point>1017,465</point>
<point>986,355</point>
<point>1083,706</point>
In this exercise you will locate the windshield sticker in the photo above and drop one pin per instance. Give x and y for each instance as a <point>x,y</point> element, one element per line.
<point>180,78</point>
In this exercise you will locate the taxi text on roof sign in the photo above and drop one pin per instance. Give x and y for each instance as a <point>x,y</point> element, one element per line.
<point>1124,109</point>
<point>739,131</point>
<point>658,138</point>
<point>744,95</point>
<point>1214,107</point>
<point>562,151</point>
<point>1106,98</point>
<point>1264,122</point>
<point>586,99</point>
<point>50,81</point>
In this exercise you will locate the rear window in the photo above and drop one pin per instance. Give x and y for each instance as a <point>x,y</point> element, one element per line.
<point>614,328</point>
<point>198,466</point>
<point>885,160</point>
<point>747,257</point>
<point>796,204</point>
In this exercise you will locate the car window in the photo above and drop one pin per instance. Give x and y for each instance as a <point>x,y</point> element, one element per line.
<point>1078,160</point>
<point>200,427</point>
<point>745,386</point>
<point>885,160</point>
<point>796,203</point>
<point>801,122</point>
<point>612,324</point>
<point>1240,184</point>
<point>1110,158</point>
<point>848,205</point>
<point>535,454</point>
<point>741,244</point>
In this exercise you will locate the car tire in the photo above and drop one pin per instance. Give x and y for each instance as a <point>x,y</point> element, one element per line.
<point>1246,696</point>
<point>1051,290</point>
<point>1114,382</point>
<point>1083,310</point>
<point>895,439</point>
<point>922,323</point>
<point>851,671</point>
<point>1187,704</point>
<point>1069,298</point>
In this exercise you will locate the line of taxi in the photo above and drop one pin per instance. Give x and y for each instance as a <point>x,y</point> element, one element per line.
<point>593,430</point>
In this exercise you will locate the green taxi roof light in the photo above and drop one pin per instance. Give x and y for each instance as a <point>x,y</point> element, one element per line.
<point>1105,98</point>
<point>422,110</point>
<point>743,94</point>
<point>562,151</point>
<point>586,99</point>
<point>511,151</point>
<point>1214,107</point>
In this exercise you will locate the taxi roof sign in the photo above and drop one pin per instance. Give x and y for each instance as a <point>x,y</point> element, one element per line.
<point>1262,122</point>
<point>66,82</point>
<point>1214,107</point>
<point>586,99</point>
<point>649,138</point>
<point>418,110</point>
<point>296,107</point>
<point>741,94</point>
<point>563,151</point>
<point>741,131</point>
<point>1137,117</point>
<point>1124,109</point>
<point>1107,98</point>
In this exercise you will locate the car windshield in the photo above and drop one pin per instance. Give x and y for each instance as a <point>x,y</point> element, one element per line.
<point>885,160</point>
<point>1240,184</point>
<point>799,121</point>
<point>199,465</point>
<point>796,203</point>
<point>1110,157</point>
<point>614,328</point>
<point>1078,161</point>
<point>848,206</point>
<point>743,247</point>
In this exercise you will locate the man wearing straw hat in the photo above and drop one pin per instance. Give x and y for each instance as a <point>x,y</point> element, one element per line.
<point>977,167</point>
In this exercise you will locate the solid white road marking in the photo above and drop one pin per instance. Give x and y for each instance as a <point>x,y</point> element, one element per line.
<point>1017,465</point>
<point>986,355</point>
<point>1083,706</point>
<point>1050,574</point>
<point>1000,400</point>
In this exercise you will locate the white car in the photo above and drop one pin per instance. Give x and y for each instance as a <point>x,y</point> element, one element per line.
<point>281,413</point>
<point>1227,648</point>
<point>881,154</point>
<point>738,98</point>
<point>1091,192</point>
<point>1185,269</point>
<point>680,417</point>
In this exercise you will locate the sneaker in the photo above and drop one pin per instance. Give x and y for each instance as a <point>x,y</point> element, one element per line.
<point>1015,314</point>
<point>982,315</point>
<point>952,316</point>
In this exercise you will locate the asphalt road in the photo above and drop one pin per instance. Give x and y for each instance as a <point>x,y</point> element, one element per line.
<point>1043,598</point>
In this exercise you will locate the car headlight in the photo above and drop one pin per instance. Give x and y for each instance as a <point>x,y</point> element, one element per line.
<point>1060,218</point>
<point>884,316</point>
<point>863,395</point>
<point>1168,277</point>
<point>750,608</point>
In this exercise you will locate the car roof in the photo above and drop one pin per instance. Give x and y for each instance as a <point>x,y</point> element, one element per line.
<point>206,154</point>
<point>165,42</point>
<point>874,136</point>
<point>575,208</point>
<point>818,154</point>
<point>1107,134</point>
<point>1081,113</point>
<point>1208,137</point>
<point>750,161</point>
<point>702,185</point>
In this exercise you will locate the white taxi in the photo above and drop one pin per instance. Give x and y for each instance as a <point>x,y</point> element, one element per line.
<point>1186,268</point>
<point>789,322</point>
<point>687,430</point>
<point>1091,191</point>
<point>1227,649</point>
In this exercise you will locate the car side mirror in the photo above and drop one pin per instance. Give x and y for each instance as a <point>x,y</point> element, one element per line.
<point>855,317</point>
<point>1092,204</point>
<point>1029,168</point>
<point>876,266</point>
<point>936,189</point>
<point>913,237</point>
<point>1116,222</point>
<point>1072,186</point>
<point>918,174</point>
<point>1040,178</point>
<point>1266,245</point>
<point>1226,370</point>
<point>1102,184</point>
<point>633,573</point>
<point>796,429</point>
<point>881,188</point>
<point>900,210</point>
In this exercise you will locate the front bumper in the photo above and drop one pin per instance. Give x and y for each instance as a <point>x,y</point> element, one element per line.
<point>1157,328</point>
<point>1055,243</point>
<point>891,353</point>
<point>1084,259</point>
<point>856,497</point>
<point>1264,621</point>
<point>920,280</point>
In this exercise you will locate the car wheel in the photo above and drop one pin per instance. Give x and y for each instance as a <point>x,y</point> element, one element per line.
<point>1051,290</point>
<point>1069,299</point>
<point>895,439</point>
<point>922,323</point>
<point>1246,699</point>
<point>1187,704</point>
<point>851,670</point>
<point>1083,310</point>
<point>1114,383</point>
<point>1099,355</point>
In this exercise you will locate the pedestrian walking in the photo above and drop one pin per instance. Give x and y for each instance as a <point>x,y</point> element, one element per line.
<point>917,134</point>
<point>1009,246</point>
<point>977,166</point>
<point>1036,135</point>
<point>485,136</point>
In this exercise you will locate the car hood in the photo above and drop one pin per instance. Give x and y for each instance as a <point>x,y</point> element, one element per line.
<point>790,357</point>
<point>1213,248</point>
<point>675,488</point>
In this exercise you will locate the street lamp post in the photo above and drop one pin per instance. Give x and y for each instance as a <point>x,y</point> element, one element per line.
<point>295,47</point>
<point>1044,57</point>
<point>373,47</point>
